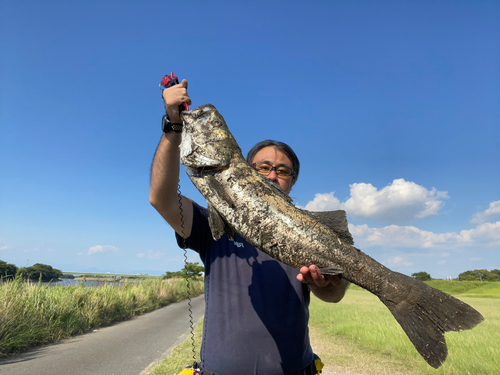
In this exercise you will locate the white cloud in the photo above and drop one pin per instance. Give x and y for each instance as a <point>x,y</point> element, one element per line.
<point>395,260</point>
<point>101,249</point>
<point>487,232</point>
<point>410,249</point>
<point>4,247</point>
<point>486,215</point>
<point>393,236</point>
<point>401,200</point>
<point>324,202</point>
<point>486,235</point>
<point>151,255</point>
<point>399,260</point>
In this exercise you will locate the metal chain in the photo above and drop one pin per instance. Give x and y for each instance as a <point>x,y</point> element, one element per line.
<point>190,307</point>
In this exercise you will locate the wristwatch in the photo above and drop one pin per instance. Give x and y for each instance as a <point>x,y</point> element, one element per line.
<point>169,126</point>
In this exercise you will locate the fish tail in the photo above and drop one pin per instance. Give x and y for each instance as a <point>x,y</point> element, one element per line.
<point>425,314</point>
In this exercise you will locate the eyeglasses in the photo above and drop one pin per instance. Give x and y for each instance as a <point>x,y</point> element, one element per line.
<point>265,169</point>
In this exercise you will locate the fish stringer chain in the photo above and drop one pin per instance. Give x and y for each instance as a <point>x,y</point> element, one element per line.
<point>190,307</point>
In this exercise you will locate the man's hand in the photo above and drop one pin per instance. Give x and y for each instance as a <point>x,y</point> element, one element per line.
<point>312,275</point>
<point>328,288</point>
<point>173,97</point>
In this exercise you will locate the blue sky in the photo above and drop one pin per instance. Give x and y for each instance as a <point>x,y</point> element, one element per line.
<point>392,107</point>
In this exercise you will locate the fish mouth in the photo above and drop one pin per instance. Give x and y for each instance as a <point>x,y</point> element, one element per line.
<point>204,170</point>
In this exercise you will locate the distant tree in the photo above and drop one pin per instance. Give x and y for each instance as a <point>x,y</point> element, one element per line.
<point>172,275</point>
<point>480,275</point>
<point>495,274</point>
<point>468,276</point>
<point>190,270</point>
<point>46,272</point>
<point>422,276</point>
<point>7,270</point>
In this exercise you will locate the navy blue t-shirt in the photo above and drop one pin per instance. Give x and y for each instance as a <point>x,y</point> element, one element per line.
<point>256,312</point>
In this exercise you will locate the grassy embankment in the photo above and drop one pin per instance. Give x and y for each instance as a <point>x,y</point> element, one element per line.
<point>360,336</point>
<point>381,347</point>
<point>33,315</point>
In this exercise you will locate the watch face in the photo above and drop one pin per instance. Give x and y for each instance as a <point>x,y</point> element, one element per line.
<point>166,125</point>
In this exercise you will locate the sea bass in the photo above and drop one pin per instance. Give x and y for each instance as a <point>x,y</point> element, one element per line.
<point>242,201</point>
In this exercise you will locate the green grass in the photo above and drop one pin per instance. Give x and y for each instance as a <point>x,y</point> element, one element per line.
<point>363,320</point>
<point>182,355</point>
<point>33,315</point>
<point>472,288</point>
<point>359,335</point>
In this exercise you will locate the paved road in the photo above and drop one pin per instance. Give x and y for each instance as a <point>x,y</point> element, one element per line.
<point>127,348</point>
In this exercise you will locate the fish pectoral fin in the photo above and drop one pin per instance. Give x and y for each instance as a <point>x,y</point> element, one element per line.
<point>229,231</point>
<point>217,224</point>
<point>276,189</point>
<point>331,271</point>
<point>219,191</point>
<point>336,221</point>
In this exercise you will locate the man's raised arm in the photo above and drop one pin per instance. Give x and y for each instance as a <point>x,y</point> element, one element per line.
<point>165,168</point>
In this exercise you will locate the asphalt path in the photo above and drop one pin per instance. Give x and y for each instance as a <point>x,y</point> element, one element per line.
<point>132,347</point>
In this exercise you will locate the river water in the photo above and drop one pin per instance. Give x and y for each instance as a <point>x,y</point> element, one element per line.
<point>67,282</point>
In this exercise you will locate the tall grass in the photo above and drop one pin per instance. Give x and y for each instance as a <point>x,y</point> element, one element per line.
<point>32,314</point>
<point>364,320</point>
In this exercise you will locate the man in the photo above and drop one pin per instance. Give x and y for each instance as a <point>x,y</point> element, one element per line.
<point>256,312</point>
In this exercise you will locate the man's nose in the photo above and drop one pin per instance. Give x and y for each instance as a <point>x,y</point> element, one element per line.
<point>273,176</point>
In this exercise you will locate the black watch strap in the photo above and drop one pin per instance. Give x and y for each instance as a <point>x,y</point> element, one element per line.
<point>169,126</point>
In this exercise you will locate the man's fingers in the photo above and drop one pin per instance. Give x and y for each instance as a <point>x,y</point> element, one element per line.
<point>312,275</point>
<point>304,276</point>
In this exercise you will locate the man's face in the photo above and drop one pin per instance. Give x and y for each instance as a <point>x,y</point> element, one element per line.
<point>276,158</point>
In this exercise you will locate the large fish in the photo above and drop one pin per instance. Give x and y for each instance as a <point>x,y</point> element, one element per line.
<point>243,201</point>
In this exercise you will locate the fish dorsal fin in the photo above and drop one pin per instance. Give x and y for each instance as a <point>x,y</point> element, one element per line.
<point>336,221</point>
<point>217,224</point>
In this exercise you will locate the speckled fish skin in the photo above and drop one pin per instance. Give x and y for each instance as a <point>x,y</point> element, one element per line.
<point>243,201</point>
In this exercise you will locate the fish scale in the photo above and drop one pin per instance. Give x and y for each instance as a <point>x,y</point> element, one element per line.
<point>242,201</point>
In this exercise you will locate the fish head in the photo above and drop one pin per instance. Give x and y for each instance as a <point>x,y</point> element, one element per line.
<point>207,144</point>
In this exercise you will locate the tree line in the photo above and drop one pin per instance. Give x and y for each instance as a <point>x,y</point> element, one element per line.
<point>47,273</point>
<point>476,275</point>
<point>35,272</point>
<point>195,271</point>
<point>481,275</point>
